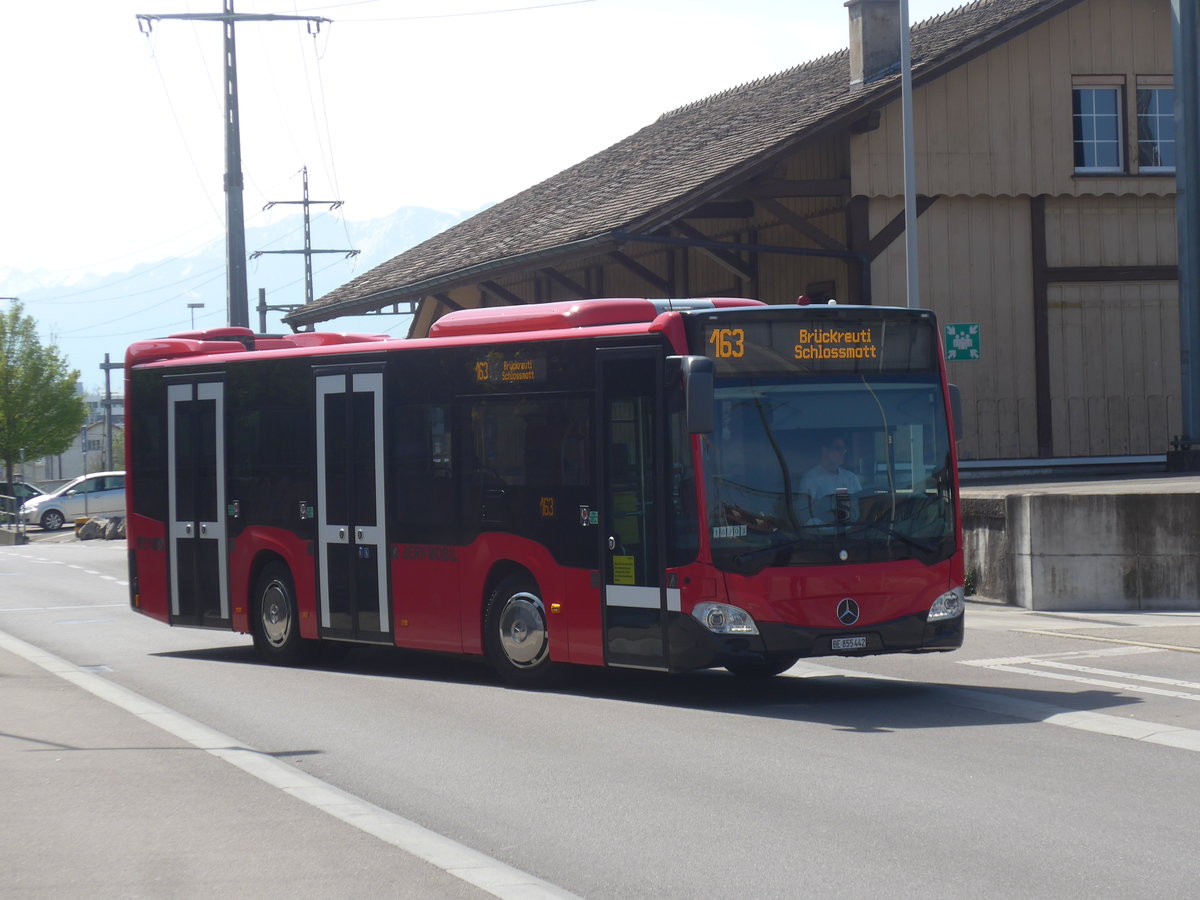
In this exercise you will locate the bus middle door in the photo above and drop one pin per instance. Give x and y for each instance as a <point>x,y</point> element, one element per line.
<point>635,599</point>
<point>353,582</point>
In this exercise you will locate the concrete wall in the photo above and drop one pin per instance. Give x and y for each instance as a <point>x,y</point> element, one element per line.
<point>1086,551</point>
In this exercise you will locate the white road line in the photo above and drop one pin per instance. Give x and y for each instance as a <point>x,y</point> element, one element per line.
<point>1129,681</point>
<point>60,608</point>
<point>482,871</point>
<point>1110,640</point>
<point>1032,710</point>
<point>1089,670</point>
<point>1100,682</point>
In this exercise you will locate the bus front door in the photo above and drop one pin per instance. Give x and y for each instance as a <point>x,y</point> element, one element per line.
<point>635,601</point>
<point>350,488</point>
<point>196,504</point>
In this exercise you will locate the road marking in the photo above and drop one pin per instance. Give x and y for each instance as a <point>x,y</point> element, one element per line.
<point>81,622</point>
<point>1100,682</point>
<point>1072,672</point>
<point>1031,710</point>
<point>61,608</point>
<point>1109,640</point>
<point>490,875</point>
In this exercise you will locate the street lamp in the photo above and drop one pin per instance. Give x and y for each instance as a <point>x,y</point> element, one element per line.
<point>193,307</point>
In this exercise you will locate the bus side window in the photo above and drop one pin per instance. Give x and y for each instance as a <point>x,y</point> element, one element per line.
<point>423,488</point>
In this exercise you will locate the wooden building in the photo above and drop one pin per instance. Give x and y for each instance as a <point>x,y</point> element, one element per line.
<point>1046,190</point>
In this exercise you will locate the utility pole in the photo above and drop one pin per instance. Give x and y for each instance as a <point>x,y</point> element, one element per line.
<point>1184,457</point>
<point>108,367</point>
<point>235,225</point>
<point>910,172</point>
<point>308,250</point>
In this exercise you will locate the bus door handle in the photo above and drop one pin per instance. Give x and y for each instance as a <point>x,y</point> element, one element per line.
<point>612,543</point>
<point>358,535</point>
<point>341,534</point>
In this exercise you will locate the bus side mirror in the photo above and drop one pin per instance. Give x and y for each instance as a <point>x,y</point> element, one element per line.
<point>956,411</point>
<point>698,393</point>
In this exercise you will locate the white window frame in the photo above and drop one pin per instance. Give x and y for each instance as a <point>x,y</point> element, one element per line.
<point>1153,83</point>
<point>1112,85</point>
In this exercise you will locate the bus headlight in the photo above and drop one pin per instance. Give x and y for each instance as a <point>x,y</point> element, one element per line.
<point>721,618</point>
<point>947,606</point>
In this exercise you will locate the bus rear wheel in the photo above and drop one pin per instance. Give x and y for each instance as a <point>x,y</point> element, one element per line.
<point>515,635</point>
<point>275,623</point>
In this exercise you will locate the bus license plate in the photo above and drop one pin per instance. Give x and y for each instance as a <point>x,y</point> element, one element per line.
<point>859,642</point>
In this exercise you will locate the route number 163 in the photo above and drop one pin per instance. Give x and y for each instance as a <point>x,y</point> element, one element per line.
<point>728,343</point>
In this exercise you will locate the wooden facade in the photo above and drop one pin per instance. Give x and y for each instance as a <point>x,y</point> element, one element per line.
<point>1071,275</point>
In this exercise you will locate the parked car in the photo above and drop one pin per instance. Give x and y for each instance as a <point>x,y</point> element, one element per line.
<point>12,495</point>
<point>98,494</point>
<point>19,490</point>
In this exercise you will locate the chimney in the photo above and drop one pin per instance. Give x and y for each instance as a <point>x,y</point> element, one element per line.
<point>874,38</point>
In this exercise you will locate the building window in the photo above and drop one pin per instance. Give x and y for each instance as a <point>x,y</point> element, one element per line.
<point>1097,128</point>
<point>1156,129</point>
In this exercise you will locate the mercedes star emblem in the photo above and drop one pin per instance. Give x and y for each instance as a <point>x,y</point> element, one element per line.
<point>847,611</point>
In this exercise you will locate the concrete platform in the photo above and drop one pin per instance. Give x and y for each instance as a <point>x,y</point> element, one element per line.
<point>1109,543</point>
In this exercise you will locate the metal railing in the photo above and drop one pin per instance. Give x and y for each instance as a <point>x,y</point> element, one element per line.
<point>9,520</point>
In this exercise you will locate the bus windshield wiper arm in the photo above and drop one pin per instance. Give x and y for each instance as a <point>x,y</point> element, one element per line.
<point>903,538</point>
<point>747,555</point>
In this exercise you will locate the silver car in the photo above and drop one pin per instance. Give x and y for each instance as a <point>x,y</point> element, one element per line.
<point>98,494</point>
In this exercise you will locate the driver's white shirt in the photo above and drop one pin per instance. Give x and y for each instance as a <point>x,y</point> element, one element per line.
<point>820,484</point>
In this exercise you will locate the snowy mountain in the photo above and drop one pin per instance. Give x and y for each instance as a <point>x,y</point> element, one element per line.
<point>87,315</point>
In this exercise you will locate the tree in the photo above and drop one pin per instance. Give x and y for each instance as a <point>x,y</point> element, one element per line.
<point>40,411</point>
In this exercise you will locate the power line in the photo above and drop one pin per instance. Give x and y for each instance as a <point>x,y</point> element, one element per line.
<point>457,15</point>
<point>235,225</point>
<point>58,301</point>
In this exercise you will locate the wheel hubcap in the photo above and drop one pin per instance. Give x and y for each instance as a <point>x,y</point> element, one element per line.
<point>523,630</point>
<point>276,614</point>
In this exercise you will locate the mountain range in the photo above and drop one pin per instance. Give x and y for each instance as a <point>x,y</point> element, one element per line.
<point>88,316</point>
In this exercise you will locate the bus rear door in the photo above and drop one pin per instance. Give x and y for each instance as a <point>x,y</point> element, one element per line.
<point>196,504</point>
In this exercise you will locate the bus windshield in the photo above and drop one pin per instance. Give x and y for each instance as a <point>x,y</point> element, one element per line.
<point>829,469</point>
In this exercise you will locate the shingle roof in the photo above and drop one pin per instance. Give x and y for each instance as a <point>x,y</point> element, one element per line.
<point>653,175</point>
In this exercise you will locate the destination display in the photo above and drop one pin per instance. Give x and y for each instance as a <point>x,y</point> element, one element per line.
<point>900,342</point>
<point>497,369</point>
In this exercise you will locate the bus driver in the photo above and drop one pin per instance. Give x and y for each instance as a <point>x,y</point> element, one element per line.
<point>827,483</point>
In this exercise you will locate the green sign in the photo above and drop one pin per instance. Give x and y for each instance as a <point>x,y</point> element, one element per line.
<point>962,342</point>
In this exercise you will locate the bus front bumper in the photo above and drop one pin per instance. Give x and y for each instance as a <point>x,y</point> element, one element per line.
<point>695,647</point>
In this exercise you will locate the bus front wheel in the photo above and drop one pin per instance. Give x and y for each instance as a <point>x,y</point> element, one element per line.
<point>515,635</point>
<point>275,623</point>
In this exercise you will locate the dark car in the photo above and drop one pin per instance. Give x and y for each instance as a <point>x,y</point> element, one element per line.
<point>12,495</point>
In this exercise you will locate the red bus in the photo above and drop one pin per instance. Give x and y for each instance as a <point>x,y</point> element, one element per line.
<point>661,484</point>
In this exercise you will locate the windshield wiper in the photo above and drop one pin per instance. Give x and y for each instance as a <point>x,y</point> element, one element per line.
<point>747,555</point>
<point>903,538</point>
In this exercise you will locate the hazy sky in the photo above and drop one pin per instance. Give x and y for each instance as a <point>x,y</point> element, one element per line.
<point>112,148</point>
